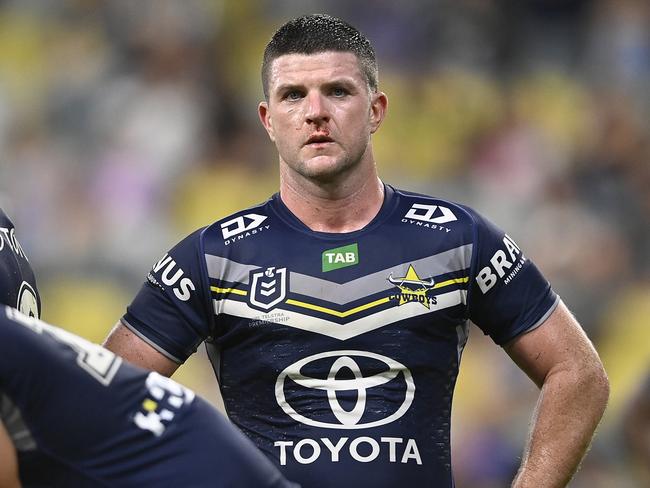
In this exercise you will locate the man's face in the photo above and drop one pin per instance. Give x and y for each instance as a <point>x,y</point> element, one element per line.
<point>321,113</point>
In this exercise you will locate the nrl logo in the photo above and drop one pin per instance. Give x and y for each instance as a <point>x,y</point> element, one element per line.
<point>412,288</point>
<point>268,287</point>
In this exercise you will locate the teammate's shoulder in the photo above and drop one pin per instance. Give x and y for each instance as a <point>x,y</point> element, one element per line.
<point>5,221</point>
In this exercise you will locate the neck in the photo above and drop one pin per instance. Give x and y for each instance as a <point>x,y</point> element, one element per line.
<point>333,207</point>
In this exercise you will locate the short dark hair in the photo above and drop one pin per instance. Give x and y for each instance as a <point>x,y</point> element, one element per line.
<point>318,33</point>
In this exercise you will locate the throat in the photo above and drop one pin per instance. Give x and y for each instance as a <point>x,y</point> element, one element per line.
<point>340,221</point>
<point>336,215</point>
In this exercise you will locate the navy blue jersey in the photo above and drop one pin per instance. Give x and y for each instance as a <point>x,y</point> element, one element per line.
<point>337,353</point>
<point>18,289</point>
<point>109,423</point>
<point>17,283</point>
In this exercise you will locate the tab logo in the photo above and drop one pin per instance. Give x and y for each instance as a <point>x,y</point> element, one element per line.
<point>340,257</point>
<point>433,214</point>
<point>241,224</point>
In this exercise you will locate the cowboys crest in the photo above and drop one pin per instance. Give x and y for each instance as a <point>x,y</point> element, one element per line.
<point>413,288</point>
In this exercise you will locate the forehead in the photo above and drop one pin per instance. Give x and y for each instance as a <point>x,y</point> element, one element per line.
<point>301,69</point>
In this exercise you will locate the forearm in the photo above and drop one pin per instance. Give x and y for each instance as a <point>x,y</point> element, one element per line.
<point>570,405</point>
<point>8,461</point>
<point>129,346</point>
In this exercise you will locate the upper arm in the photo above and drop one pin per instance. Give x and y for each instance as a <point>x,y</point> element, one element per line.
<point>9,464</point>
<point>559,344</point>
<point>125,343</point>
<point>172,313</point>
<point>508,295</point>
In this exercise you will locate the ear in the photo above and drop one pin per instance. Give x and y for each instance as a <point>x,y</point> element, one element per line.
<point>378,106</point>
<point>265,118</point>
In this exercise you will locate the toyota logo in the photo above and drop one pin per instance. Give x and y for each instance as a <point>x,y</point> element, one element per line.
<point>393,374</point>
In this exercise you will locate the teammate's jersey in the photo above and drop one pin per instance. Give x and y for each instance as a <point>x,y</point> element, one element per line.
<point>18,289</point>
<point>337,354</point>
<point>109,423</point>
<point>17,282</point>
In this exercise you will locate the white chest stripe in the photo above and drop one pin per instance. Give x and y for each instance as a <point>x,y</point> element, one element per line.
<point>332,329</point>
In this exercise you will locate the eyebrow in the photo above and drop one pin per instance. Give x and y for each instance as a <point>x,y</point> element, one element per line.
<point>346,82</point>
<point>288,86</point>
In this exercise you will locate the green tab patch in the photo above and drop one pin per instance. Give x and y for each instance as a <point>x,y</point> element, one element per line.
<point>340,257</point>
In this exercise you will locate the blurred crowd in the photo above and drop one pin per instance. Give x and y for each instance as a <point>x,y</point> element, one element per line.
<point>125,125</point>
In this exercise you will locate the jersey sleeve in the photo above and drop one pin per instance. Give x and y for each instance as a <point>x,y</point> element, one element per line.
<point>171,310</point>
<point>508,294</point>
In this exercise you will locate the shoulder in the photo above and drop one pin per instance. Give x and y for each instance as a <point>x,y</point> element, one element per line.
<point>190,254</point>
<point>439,223</point>
<point>433,212</point>
<point>227,228</point>
<point>236,226</point>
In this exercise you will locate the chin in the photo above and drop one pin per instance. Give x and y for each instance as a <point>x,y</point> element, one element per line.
<point>323,168</point>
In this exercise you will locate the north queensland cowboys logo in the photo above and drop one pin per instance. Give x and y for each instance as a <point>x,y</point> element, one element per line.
<point>268,287</point>
<point>413,289</point>
<point>357,390</point>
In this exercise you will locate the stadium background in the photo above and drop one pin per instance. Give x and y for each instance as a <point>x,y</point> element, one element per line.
<point>124,125</point>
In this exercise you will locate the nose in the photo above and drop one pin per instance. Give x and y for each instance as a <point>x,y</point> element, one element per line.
<point>316,109</point>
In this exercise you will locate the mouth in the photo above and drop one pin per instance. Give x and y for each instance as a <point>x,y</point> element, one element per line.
<point>318,139</point>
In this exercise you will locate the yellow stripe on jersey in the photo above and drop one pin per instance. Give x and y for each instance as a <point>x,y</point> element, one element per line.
<point>451,282</point>
<point>234,291</point>
<point>336,313</point>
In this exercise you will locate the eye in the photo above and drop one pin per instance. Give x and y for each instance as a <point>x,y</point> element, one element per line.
<point>339,92</point>
<point>293,95</point>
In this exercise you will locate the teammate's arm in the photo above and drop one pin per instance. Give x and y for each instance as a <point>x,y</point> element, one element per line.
<point>123,342</point>
<point>561,360</point>
<point>9,462</point>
